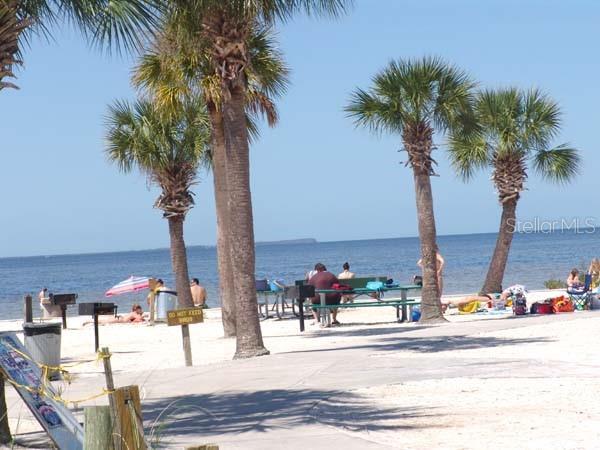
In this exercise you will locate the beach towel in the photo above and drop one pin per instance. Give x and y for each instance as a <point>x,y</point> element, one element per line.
<point>469,308</point>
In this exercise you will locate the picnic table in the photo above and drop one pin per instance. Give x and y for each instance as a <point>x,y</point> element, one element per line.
<point>402,303</point>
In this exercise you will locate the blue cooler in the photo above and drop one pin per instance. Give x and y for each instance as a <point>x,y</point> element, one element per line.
<point>415,314</point>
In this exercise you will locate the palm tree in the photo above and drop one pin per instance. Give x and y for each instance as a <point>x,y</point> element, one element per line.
<point>515,129</point>
<point>124,23</point>
<point>227,27</point>
<point>416,98</point>
<point>168,148</point>
<point>175,68</point>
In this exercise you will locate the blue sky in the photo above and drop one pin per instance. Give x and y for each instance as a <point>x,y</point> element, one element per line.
<point>314,175</point>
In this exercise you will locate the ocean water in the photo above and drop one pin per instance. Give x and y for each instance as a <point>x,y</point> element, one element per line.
<point>534,258</point>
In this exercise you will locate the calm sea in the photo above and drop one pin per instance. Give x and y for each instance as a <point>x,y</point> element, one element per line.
<point>534,258</point>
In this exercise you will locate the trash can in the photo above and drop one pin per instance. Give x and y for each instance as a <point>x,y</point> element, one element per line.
<point>42,341</point>
<point>165,301</point>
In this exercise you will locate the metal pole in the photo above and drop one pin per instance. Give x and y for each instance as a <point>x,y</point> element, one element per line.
<point>28,309</point>
<point>403,298</point>
<point>301,316</point>
<point>96,339</point>
<point>63,310</point>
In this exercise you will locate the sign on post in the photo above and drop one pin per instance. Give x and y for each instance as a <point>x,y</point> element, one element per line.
<point>186,316</point>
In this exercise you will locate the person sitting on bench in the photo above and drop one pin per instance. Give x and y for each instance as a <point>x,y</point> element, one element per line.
<point>325,280</point>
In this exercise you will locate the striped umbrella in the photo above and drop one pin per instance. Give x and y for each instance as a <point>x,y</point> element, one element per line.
<point>131,284</point>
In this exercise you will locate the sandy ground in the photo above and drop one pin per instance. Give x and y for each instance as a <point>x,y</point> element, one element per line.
<point>464,412</point>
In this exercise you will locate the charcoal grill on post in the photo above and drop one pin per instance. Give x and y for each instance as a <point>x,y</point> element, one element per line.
<point>63,300</point>
<point>96,309</point>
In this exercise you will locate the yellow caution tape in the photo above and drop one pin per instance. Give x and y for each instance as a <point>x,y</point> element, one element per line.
<point>45,368</point>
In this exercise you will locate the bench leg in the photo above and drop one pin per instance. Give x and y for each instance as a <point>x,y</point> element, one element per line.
<point>301,315</point>
<point>277,298</point>
<point>267,316</point>
<point>403,298</point>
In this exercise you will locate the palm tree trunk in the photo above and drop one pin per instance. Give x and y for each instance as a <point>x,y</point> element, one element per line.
<point>226,291</point>
<point>495,274</point>
<point>179,262</point>
<point>249,342</point>
<point>5,436</point>
<point>431,310</point>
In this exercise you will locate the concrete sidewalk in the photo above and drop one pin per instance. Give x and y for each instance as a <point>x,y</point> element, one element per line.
<point>279,401</point>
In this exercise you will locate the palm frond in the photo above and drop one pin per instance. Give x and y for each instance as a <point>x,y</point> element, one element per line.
<point>560,164</point>
<point>370,111</point>
<point>468,154</point>
<point>268,11</point>
<point>412,92</point>
<point>115,24</point>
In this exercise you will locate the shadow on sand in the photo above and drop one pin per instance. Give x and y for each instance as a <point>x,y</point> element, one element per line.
<point>239,412</point>
<point>393,339</point>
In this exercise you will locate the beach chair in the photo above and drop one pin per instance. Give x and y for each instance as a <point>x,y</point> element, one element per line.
<point>581,297</point>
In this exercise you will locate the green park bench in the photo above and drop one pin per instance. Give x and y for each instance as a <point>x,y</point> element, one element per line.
<point>403,304</point>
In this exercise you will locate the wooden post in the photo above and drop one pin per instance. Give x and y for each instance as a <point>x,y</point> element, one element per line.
<point>129,416</point>
<point>28,309</point>
<point>110,386</point>
<point>152,299</point>
<point>187,346</point>
<point>98,427</point>
<point>5,437</point>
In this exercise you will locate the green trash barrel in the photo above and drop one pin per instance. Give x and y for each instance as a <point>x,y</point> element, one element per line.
<point>42,341</point>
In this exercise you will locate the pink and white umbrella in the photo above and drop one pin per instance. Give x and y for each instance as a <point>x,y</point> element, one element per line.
<point>131,284</point>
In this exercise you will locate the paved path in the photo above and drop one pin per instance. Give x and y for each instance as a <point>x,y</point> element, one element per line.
<point>270,402</point>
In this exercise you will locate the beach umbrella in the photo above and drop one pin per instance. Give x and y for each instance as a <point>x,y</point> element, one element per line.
<point>131,284</point>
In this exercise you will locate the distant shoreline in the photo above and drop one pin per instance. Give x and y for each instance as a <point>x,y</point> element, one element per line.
<point>302,241</point>
<point>288,242</point>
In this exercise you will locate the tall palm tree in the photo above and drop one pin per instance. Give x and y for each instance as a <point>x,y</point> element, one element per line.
<point>227,27</point>
<point>124,23</point>
<point>514,129</point>
<point>168,148</point>
<point>176,67</point>
<point>416,98</point>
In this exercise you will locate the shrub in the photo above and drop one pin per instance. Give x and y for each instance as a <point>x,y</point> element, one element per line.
<point>555,284</point>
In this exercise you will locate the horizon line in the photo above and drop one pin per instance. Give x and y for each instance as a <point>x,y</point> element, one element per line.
<point>259,243</point>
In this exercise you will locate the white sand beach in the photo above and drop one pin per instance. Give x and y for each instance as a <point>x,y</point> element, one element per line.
<point>490,380</point>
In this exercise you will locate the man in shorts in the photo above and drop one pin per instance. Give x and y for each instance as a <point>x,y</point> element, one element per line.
<point>325,280</point>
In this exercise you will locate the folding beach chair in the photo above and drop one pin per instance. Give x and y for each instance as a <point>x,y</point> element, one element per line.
<point>581,297</point>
